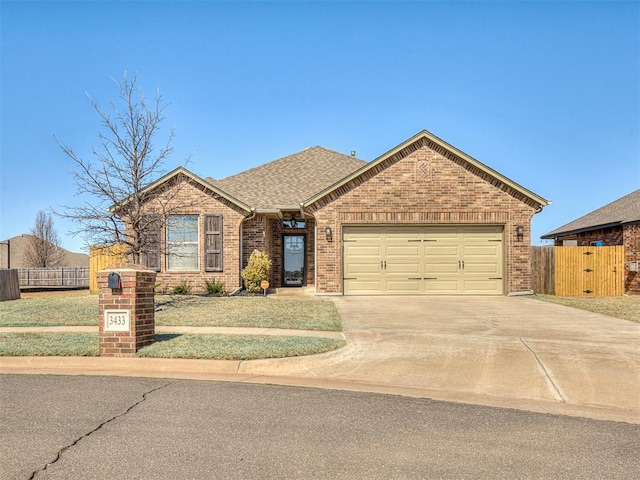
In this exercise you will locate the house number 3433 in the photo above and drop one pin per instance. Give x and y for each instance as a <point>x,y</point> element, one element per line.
<point>116,320</point>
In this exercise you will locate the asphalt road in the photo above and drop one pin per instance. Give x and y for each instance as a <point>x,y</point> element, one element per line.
<point>58,427</point>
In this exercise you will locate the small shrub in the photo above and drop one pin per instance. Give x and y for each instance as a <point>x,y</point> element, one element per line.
<point>256,271</point>
<point>214,286</point>
<point>181,289</point>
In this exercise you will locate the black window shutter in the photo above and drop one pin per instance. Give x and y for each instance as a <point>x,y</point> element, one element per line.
<point>213,243</point>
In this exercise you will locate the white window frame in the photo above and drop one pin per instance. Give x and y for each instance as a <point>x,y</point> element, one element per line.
<point>182,243</point>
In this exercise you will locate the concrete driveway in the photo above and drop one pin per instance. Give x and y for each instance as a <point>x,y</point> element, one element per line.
<point>502,351</point>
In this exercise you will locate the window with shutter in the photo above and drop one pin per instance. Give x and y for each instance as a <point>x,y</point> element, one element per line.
<point>183,245</point>
<point>151,254</point>
<point>213,243</point>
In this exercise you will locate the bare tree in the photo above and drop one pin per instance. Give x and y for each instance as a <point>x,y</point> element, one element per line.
<point>128,159</point>
<point>43,247</point>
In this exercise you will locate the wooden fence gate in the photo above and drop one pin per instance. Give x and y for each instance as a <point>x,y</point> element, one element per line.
<point>589,271</point>
<point>100,258</point>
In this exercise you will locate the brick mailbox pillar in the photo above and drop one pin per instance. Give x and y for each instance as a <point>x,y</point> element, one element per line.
<point>127,310</point>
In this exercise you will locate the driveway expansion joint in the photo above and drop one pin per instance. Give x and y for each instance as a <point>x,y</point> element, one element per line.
<point>75,442</point>
<point>546,373</point>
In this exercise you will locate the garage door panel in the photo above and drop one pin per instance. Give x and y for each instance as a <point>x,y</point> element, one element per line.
<point>364,250</point>
<point>360,268</point>
<point>402,251</point>
<point>362,287</point>
<point>441,287</point>
<point>481,268</point>
<point>433,268</point>
<point>480,250</point>
<point>409,268</point>
<point>481,286</point>
<point>405,286</point>
<point>441,251</point>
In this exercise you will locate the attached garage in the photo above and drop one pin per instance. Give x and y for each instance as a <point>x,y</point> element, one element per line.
<point>406,260</point>
<point>423,219</point>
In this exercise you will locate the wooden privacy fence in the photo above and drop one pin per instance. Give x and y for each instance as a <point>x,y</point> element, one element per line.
<point>9,287</point>
<point>55,277</point>
<point>542,270</point>
<point>578,271</point>
<point>589,271</point>
<point>101,258</point>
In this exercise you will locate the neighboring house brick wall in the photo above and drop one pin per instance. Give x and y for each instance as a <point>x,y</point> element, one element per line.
<point>608,237</point>
<point>424,187</point>
<point>632,254</point>
<point>185,198</point>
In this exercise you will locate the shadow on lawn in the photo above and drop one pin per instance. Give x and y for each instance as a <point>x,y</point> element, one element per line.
<point>165,337</point>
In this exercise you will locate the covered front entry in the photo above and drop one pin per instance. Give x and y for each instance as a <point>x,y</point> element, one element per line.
<point>294,260</point>
<point>405,260</point>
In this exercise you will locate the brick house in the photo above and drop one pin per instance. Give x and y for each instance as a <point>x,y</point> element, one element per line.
<point>423,218</point>
<point>617,223</point>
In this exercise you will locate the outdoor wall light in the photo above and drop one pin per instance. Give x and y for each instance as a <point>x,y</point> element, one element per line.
<point>329,233</point>
<point>520,231</point>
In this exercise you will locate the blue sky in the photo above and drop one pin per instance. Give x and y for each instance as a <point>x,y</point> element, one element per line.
<point>546,93</point>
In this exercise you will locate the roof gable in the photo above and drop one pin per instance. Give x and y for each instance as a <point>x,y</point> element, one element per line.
<point>425,138</point>
<point>288,181</point>
<point>204,185</point>
<point>621,211</point>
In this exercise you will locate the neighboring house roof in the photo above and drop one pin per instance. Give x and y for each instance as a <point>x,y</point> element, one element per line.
<point>20,245</point>
<point>624,210</point>
<point>289,181</point>
<point>412,144</point>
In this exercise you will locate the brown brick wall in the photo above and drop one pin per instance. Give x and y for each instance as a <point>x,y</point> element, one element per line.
<point>424,187</point>
<point>631,254</point>
<point>193,200</point>
<point>608,236</point>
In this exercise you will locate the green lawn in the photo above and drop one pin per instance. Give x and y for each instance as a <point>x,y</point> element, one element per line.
<point>180,310</point>
<point>218,347</point>
<point>81,309</point>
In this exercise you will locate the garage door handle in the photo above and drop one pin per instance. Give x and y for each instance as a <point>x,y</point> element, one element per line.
<point>415,278</point>
<point>383,264</point>
<point>430,278</point>
<point>461,264</point>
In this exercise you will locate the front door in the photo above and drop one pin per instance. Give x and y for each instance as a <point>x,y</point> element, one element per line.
<point>293,260</point>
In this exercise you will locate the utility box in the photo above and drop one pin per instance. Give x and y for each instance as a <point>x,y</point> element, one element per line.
<point>127,309</point>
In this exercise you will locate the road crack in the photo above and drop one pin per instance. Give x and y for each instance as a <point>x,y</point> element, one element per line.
<point>106,422</point>
<point>547,374</point>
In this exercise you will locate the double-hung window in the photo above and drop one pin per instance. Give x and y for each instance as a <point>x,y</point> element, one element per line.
<point>182,242</point>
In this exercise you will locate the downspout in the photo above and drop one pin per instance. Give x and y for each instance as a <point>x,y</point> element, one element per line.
<point>315,248</point>
<point>251,216</point>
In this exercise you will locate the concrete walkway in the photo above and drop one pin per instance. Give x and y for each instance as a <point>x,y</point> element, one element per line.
<point>509,352</point>
<point>189,330</point>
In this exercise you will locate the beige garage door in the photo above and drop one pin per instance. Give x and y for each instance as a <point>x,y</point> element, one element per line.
<point>423,260</point>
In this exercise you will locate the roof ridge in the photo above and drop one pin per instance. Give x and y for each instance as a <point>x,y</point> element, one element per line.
<point>286,157</point>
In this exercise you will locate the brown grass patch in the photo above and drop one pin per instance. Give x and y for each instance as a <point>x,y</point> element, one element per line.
<point>626,307</point>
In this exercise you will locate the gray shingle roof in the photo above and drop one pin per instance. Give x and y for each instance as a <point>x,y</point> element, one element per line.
<point>623,210</point>
<point>290,180</point>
